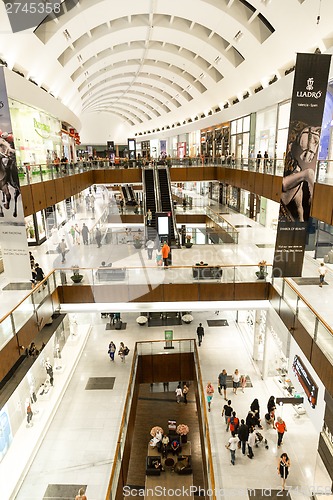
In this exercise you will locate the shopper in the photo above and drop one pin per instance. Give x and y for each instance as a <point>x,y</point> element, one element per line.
<point>281,428</point>
<point>98,237</point>
<point>165,254</point>
<point>72,233</point>
<point>200,333</point>
<point>322,272</point>
<point>227,412</point>
<point>232,446</point>
<point>233,423</point>
<point>283,468</point>
<point>179,393</point>
<point>77,234</point>
<point>85,234</point>
<point>235,381</point>
<point>121,352</point>
<point>243,435</point>
<point>81,494</point>
<point>243,381</point>
<point>150,248</point>
<point>255,408</point>
<point>62,249</point>
<point>185,392</point>
<point>32,260</point>
<point>39,274</point>
<point>222,381</point>
<point>149,217</point>
<point>259,156</point>
<point>209,394</point>
<point>251,441</point>
<point>112,350</point>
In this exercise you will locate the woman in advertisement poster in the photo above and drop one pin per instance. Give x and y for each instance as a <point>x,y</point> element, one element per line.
<point>299,172</point>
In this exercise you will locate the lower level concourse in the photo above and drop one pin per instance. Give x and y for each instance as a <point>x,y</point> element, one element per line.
<point>79,445</point>
<point>72,436</point>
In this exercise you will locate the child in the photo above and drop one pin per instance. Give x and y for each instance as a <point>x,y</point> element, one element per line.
<point>243,382</point>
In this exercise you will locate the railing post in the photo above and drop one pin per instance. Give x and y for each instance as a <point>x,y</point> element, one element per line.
<point>315,333</point>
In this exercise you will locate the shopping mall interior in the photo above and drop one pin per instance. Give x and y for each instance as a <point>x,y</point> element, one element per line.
<point>161,162</point>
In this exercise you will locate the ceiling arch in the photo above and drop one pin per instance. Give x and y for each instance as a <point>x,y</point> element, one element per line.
<point>159,61</point>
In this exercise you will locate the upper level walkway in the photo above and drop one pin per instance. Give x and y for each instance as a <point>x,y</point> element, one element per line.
<point>41,172</point>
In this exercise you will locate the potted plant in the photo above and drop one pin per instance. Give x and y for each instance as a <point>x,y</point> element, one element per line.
<point>76,277</point>
<point>141,320</point>
<point>262,273</point>
<point>156,430</point>
<point>187,318</point>
<point>188,242</point>
<point>137,241</point>
<point>183,430</point>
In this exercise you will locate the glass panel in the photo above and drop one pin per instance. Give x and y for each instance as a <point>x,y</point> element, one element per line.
<point>284,114</point>
<point>6,331</point>
<point>290,296</point>
<point>239,125</point>
<point>325,341</point>
<point>233,127</point>
<point>246,123</point>
<point>306,317</point>
<point>23,313</point>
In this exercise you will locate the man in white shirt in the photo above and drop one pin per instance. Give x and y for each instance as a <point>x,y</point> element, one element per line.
<point>322,271</point>
<point>232,446</point>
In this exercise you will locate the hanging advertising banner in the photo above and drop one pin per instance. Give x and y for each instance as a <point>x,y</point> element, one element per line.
<point>13,239</point>
<point>306,114</point>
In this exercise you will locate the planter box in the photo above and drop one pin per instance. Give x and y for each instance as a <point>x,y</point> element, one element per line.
<point>207,272</point>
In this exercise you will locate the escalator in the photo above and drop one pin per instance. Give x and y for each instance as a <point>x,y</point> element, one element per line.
<point>131,195</point>
<point>125,194</point>
<point>166,200</point>
<point>148,182</point>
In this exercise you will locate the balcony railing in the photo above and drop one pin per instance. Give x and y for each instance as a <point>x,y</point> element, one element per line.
<point>151,348</point>
<point>30,174</point>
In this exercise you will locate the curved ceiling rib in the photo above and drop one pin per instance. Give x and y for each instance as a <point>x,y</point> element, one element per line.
<point>160,23</point>
<point>170,49</point>
<point>158,82</point>
<point>167,67</point>
<point>139,97</point>
<point>154,92</point>
<point>141,104</point>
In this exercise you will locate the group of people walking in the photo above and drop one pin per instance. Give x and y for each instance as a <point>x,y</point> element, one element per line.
<point>123,351</point>
<point>246,432</point>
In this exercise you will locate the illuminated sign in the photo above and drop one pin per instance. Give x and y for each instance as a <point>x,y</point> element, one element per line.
<point>306,381</point>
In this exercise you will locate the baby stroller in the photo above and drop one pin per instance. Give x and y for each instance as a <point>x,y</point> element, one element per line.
<point>260,440</point>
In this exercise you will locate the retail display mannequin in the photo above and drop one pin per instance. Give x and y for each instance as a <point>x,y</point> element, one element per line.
<point>57,357</point>
<point>29,413</point>
<point>49,370</point>
<point>74,325</point>
<point>45,387</point>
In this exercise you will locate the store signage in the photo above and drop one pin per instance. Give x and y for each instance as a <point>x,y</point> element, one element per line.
<point>13,239</point>
<point>306,114</point>
<point>42,129</point>
<point>306,381</point>
<point>168,336</point>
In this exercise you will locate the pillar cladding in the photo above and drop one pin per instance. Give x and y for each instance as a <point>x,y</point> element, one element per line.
<point>13,239</point>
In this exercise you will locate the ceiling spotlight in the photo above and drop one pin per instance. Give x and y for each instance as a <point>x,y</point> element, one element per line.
<point>238,35</point>
<point>67,34</point>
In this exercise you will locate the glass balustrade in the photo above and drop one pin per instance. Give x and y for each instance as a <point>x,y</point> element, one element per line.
<point>30,174</point>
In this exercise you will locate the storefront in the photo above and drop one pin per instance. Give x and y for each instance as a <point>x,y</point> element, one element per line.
<point>266,132</point>
<point>36,228</point>
<point>36,134</point>
<point>240,139</point>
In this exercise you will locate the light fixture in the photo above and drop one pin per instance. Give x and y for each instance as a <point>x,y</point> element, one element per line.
<point>238,35</point>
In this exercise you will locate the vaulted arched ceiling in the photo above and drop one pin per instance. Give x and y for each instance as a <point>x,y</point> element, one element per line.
<point>144,61</point>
